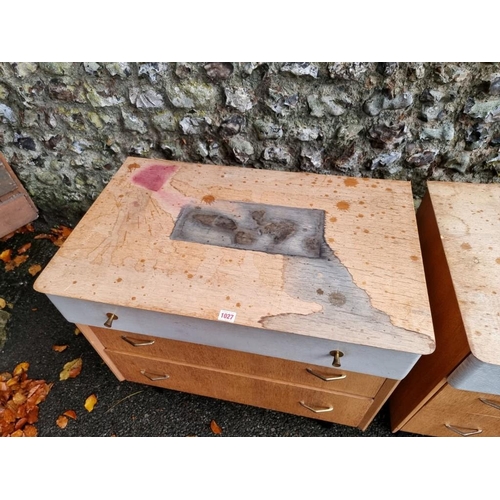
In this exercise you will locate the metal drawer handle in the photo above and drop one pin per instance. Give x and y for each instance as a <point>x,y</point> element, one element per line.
<point>154,377</point>
<point>316,410</point>
<point>137,343</point>
<point>326,378</point>
<point>488,402</point>
<point>111,318</point>
<point>463,431</point>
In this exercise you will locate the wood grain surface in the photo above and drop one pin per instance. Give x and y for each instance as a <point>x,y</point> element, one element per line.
<point>369,290</point>
<point>468,216</point>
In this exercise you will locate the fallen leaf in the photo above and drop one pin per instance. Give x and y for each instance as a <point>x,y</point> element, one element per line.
<point>215,427</point>
<point>19,399</point>
<point>62,421</point>
<point>24,248</point>
<point>71,369</point>
<point>35,269</point>
<point>15,262</point>
<point>2,303</point>
<point>70,414</point>
<point>6,255</point>
<point>30,431</point>
<point>59,348</point>
<point>20,368</point>
<point>90,402</point>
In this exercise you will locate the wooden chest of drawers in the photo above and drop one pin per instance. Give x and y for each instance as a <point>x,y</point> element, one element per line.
<point>456,390</point>
<point>248,285</point>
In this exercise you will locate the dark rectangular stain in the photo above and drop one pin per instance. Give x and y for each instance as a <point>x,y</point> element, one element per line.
<point>253,226</point>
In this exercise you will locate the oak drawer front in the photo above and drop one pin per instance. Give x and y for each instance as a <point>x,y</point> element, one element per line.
<point>332,407</point>
<point>368,360</point>
<point>450,401</point>
<point>240,362</point>
<point>431,422</point>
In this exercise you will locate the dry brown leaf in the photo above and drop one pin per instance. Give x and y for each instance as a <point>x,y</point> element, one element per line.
<point>24,248</point>
<point>59,348</point>
<point>71,414</point>
<point>90,402</point>
<point>215,427</point>
<point>16,262</point>
<point>34,269</point>
<point>62,421</point>
<point>20,368</point>
<point>71,369</point>
<point>2,303</point>
<point>30,431</point>
<point>6,255</point>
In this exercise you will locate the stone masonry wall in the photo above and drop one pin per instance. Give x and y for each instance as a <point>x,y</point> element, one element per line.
<point>66,127</point>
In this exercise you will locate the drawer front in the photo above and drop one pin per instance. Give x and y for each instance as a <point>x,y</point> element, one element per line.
<point>454,401</point>
<point>434,423</point>
<point>383,363</point>
<point>332,407</point>
<point>240,362</point>
<point>464,411</point>
<point>475,375</point>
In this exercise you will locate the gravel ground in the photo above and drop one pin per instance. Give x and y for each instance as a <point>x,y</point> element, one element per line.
<point>123,408</point>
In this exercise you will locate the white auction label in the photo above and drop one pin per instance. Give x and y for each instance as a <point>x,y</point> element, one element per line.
<point>228,316</point>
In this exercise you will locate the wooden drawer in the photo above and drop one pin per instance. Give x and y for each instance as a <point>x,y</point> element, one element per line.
<point>261,392</point>
<point>434,423</point>
<point>385,363</point>
<point>461,409</point>
<point>240,362</point>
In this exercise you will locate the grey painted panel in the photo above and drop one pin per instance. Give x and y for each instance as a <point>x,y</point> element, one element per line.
<point>477,376</point>
<point>357,358</point>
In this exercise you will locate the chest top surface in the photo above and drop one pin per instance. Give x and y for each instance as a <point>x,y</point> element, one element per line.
<point>325,256</point>
<point>468,217</point>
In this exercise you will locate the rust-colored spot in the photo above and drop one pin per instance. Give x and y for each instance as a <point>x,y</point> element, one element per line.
<point>75,282</point>
<point>118,280</point>
<point>333,219</point>
<point>133,166</point>
<point>477,333</point>
<point>343,205</point>
<point>413,257</point>
<point>361,202</point>
<point>208,199</point>
<point>238,304</point>
<point>133,298</point>
<point>388,189</point>
<point>365,231</point>
<point>331,240</point>
<point>319,291</point>
<point>465,246</point>
<point>360,215</point>
<point>227,297</point>
<point>351,182</point>
<point>498,260</point>
<point>189,276</point>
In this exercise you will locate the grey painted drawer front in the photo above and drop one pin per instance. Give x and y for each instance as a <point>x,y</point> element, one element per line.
<point>358,358</point>
<point>475,375</point>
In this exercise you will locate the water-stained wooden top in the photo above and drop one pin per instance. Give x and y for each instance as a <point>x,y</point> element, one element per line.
<point>468,217</point>
<point>242,246</point>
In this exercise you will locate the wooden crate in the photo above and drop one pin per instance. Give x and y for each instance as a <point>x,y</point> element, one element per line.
<point>16,207</point>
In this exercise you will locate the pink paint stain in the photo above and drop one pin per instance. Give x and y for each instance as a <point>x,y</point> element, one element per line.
<point>154,176</point>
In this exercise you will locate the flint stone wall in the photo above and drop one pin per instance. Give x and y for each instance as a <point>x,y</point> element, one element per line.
<point>66,127</point>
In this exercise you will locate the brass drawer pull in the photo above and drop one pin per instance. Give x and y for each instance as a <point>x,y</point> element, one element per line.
<point>316,410</point>
<point>488,402</point>
<point>154,377</point>
<point>136,342</point>
<point>111,318</point>
<point>336,357</point>
<point>463,431</point>
<point>326,378</point>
